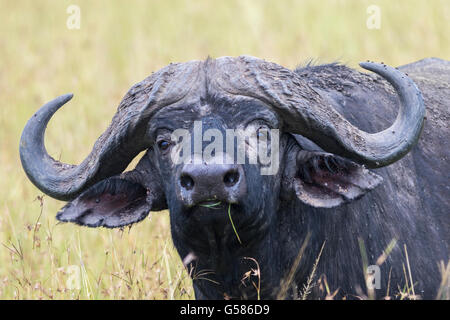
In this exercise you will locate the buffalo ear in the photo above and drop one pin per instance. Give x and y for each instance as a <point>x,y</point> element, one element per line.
<point>325,180</point>
<point>111,203</point>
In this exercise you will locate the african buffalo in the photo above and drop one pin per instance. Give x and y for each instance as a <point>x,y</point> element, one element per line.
<point>245,234</point>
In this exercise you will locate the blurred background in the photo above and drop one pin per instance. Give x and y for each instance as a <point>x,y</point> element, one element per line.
<point>98,50</point>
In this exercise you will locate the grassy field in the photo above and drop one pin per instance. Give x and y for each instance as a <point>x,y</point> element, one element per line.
<point>116,46</point>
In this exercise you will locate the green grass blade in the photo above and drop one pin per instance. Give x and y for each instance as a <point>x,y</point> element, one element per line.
<point>232,224</point>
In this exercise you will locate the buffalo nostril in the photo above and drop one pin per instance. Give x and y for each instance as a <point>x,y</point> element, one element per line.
<point>187,182</point>
<point>231,178</point>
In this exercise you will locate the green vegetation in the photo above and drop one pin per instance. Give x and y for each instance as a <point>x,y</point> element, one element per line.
<point>118,45</point>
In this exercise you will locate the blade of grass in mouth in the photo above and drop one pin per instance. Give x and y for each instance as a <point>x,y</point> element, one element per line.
<point>232,224</point>
<point>211,206</point>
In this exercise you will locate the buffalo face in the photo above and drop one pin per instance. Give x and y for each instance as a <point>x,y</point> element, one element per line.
<point>216,193</point>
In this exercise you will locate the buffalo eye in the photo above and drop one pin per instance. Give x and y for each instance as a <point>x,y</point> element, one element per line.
<point>163,145</point>
<point>263,133</point>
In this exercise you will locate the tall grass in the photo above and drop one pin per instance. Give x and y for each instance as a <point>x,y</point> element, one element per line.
<point>118,45</point>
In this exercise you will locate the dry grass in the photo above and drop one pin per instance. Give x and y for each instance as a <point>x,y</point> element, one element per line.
<point>118,45</point>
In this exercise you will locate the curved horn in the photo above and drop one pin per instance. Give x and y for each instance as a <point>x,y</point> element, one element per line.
<point>306,112</point>
<point>374,149</point>
<point>393,143</point>
<point>59,180</point>
<point>116,147</point>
